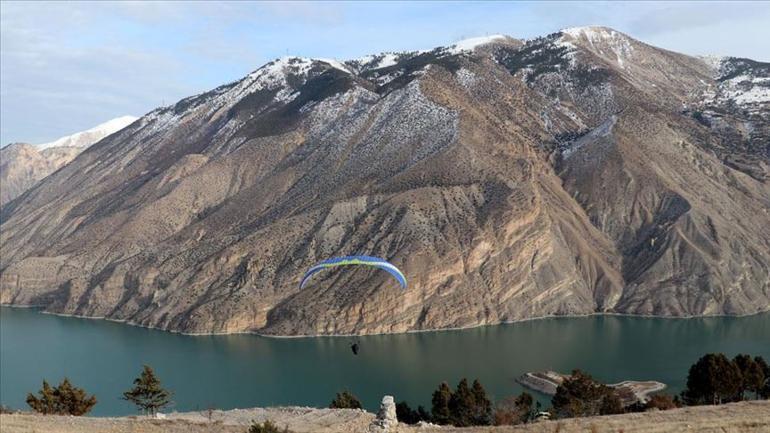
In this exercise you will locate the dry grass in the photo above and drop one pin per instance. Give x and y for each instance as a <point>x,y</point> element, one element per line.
<point>747,417</point>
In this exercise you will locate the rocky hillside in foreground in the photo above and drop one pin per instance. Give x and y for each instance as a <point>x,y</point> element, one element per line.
<point>22,165</point>
<point>580,172</point>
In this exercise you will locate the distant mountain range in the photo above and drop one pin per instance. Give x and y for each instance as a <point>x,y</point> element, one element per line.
<point>576,173</point>
<point>22,165</point>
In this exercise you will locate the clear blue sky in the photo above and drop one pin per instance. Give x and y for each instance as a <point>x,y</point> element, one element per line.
<point>65,67</point>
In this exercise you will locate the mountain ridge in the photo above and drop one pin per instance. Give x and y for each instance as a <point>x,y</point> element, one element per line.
<point>517,179</point>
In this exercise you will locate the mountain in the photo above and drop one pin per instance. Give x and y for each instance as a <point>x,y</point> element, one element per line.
<point>91,136</point>
<point>579,172</point>
<point>22,165</point>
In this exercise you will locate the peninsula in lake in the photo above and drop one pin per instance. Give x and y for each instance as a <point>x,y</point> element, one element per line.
<point>576,173</point>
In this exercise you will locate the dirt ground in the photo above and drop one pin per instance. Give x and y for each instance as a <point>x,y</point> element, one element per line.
<point>297,419</point>
<point>746,417</point>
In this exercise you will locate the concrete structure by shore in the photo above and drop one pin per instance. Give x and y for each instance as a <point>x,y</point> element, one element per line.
<point>629,391</point>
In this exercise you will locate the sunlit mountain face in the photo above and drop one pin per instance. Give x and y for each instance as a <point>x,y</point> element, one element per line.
<point>580,172</point>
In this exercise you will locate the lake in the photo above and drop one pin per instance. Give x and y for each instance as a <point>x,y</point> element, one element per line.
<point>247,370</point>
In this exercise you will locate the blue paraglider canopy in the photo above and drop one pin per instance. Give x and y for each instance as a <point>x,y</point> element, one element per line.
<point>374,262</point>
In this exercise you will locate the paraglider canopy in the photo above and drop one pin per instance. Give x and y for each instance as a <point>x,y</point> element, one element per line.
<point>374,262</point>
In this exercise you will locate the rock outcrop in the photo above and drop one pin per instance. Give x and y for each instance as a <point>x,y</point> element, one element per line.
<point>576,173</point>
<point>386,416</point>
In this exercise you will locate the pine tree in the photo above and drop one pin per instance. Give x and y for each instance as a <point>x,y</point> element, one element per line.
<point>752,374</point>
<point>764,390</point>
<point>407,415</point>
<point>462,405</point>
<point>423,414</point>
<point>46,403</point>
<point>147,393</point>
<point>74,400</point>
<point>345,400</point>
<point>581,395</point>
<point>482,407</point>
<point>440,413</point>
<point>64,399</point>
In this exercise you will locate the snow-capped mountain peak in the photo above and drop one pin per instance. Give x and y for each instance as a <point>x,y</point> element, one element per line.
<point>609,43</point>
<point>590,32</point>
<point>372,62</point>
<point>278,68</point>
<point>273,73</point>
<point>90,136</point>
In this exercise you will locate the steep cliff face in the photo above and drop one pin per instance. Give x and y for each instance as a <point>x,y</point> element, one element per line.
<point>508,179</point>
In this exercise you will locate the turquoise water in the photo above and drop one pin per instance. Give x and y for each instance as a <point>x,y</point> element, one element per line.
<point>246,370</point>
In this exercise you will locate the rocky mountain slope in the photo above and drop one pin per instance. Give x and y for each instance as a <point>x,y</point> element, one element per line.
<point>576,173</point>
<point>22,165</point>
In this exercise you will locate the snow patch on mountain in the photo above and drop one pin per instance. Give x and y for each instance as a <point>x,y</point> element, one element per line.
<point>715,62</point>
<point>337,119</point>
<point>590,32</point>
<point>755,95</point>
<point>745,90</point>
<point>408,116</point>
<point>607,42</point>
<point>383,60</point>
<point>473,43</point>
<point>273,74</point>
<point>372,62</point>
<point>389,59</point>
<point>335,64</point>
<point>466,77</point>
<point>743,82</point>
<point>90,136</point>
<point>378,61</point>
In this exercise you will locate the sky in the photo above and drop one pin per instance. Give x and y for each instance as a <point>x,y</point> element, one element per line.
<point>66,67</point>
